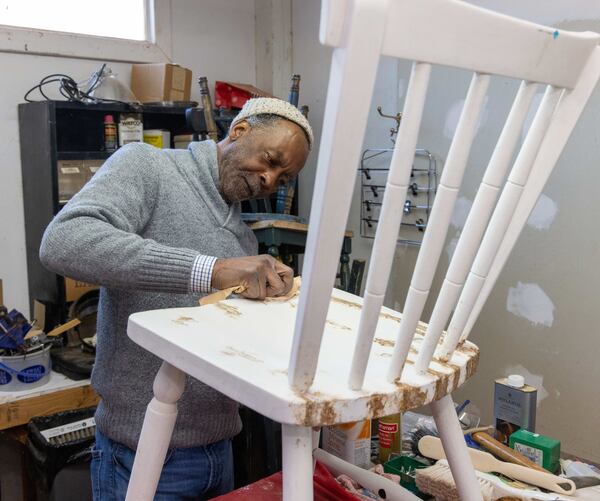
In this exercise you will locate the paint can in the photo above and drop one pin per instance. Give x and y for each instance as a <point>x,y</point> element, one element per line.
<point>131,128</point>
<point>514,405</point>
<point>23,372</point>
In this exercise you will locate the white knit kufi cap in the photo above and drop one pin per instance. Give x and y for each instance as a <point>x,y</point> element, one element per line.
<point>273,106</point>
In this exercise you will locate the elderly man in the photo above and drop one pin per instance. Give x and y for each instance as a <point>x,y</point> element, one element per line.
<point>156,228</point>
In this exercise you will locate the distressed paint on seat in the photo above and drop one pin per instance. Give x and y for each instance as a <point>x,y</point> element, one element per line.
<point>240,347</point>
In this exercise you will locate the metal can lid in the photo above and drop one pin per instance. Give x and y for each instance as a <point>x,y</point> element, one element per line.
<point>515,380</point>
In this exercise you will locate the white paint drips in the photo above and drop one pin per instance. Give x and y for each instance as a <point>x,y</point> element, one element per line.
<point>453,116</point>
<point>530,302</point>
<point>543,214</point>
<point>534,380</point>
<point>461,211</point>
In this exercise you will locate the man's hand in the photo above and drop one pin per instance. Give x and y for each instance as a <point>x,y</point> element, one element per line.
<point>263,276</point>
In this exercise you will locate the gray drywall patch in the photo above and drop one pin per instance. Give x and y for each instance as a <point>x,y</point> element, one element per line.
<point>530,302</point>
<point>453,116</point>
<point>543,213</point>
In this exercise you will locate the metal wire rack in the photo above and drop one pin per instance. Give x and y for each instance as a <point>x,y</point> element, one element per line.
<point>374,168</point>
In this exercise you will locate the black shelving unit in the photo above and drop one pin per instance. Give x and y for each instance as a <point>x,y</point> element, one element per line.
<point>56,131</point>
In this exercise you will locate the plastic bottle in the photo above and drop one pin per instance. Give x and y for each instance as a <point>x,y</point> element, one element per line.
<point>579,469</point>
<point>110,133</point>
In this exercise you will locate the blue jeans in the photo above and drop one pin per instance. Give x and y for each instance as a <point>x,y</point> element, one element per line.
<point>194,473</point>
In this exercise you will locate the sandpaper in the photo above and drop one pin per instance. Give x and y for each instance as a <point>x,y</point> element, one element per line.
<point>221,295</point>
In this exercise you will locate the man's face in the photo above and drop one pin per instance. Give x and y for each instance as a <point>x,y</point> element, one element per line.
<point>254,162</point>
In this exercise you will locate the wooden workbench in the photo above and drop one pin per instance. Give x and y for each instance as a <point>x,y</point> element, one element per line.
<point>57,395</point>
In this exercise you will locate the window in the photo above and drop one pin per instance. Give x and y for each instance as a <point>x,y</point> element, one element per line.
<point>112,30</point>
<point>107,18</point>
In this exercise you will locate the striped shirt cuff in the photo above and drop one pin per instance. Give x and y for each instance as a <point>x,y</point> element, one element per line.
<point>202,274</point>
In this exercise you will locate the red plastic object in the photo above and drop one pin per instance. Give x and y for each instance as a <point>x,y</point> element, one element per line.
<point>270,488</point>
<point>234,95</point>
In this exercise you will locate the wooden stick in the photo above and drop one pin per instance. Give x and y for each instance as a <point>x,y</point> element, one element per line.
<point>64,327</point>
<point>500,450</point>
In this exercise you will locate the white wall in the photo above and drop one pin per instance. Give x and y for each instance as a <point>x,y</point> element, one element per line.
<point>542,317</point>
<point>214,38</point>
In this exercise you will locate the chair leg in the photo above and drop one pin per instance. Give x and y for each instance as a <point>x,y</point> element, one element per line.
<point>455,449</point>
<point>316,437</point>
<point>297,444</point>
<point>155,437</point>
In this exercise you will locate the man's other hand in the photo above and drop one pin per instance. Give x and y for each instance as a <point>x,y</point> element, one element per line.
<point>263,276</point>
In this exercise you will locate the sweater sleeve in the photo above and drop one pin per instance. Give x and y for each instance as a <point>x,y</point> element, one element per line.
<point>96,238</point>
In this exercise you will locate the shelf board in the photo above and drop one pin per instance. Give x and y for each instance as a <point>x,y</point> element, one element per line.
<point>119,107</point>
<point>83,155</point>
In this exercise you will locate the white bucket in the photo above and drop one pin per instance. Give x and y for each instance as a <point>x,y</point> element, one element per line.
<point>23,372</point>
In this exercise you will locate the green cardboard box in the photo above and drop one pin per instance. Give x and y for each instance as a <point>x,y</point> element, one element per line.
<point>542,450</point>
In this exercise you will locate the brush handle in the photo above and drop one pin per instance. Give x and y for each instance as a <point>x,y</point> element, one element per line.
<point>503,452</point>
<point>431,447</point>
<point>534,477</point>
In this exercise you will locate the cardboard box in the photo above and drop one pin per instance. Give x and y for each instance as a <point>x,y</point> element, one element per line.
<point>350,442</point>
<point>153,83</point>
<point>75,289</point>
<point>542,450</point>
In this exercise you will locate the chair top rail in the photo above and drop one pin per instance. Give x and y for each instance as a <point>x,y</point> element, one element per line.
<point>469,37</point>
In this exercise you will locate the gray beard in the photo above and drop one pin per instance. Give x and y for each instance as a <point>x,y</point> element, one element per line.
<point>232,184</point>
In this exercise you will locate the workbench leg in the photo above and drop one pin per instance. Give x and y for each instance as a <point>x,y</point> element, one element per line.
<point>455,449</point>
<point>157,429</point>
<point>297,444</point>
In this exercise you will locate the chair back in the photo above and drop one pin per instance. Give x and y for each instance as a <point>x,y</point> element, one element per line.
<point>456,34</point>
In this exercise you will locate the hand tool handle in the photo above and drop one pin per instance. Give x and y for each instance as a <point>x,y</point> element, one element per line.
<point>541,479</point>
<point>503,452</point>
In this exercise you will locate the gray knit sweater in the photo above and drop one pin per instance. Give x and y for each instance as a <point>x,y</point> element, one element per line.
<point>135,229</point>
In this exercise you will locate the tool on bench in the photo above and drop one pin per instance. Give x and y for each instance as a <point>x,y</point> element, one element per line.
<point>431,447</point>
<point>503,452</point>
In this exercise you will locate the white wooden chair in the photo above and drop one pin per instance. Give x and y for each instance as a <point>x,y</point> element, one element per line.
<point>330,357</point>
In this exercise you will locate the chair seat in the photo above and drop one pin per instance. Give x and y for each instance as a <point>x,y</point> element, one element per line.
<point>242,347</point>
